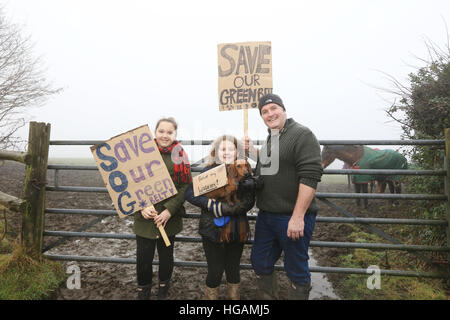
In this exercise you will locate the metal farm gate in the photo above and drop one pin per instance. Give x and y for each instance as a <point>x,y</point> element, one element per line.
<point>323,197</point>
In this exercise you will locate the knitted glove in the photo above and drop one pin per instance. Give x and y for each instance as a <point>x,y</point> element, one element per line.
<point>215,207</point>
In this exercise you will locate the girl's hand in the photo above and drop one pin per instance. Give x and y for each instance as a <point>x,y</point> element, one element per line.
<point>149,213</point>
<point>162,218</point>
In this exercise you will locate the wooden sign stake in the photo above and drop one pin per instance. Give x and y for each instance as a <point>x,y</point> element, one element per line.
<point>164,236</point>
<point>163,233</point>
<point>246,122</point>
<point>246,128</point>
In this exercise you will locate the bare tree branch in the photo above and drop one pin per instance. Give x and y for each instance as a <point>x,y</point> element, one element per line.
<point>22,81</point>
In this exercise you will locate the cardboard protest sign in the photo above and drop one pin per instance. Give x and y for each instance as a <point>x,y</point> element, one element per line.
<point>133,171</point>
<point>245,74</point>
<point>210,180</point>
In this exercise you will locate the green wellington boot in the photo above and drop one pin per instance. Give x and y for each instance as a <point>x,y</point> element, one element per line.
<point>268,286</point>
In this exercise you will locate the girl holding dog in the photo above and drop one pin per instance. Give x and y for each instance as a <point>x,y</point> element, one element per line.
<point>223,226</point>
<point>167,213</point>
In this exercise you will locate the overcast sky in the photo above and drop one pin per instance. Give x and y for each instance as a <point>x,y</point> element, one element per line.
<point>127,63</point>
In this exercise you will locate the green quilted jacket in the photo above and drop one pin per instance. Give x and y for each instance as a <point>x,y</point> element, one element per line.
<point>147,228</point>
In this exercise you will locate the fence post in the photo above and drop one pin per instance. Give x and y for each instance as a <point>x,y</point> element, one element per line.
<point>34,188</point>
<point>447,184</point>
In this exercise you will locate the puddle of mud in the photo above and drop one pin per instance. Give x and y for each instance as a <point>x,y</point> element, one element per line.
<point>321,287</point>
<point>118,281</point>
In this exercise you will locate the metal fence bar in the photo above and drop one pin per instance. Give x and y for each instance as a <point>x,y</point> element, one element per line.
<point>260,142</point>
<point>196,264</point>
<point>119,236</point>
<point>317,194</point>
<point>381,196</point>
<point>74,167</point>
<point>82,211</point>
<point>381,246</point>
<point>76,189</point>
<point>95,168</point>
<point>326,171</point>
<point>385,142</point>
<point>71,167</point>
<point>356,220</point>
<point>387,172</point>
<point>428,222</point>
<point>94,142</point>
<point>327,244</point>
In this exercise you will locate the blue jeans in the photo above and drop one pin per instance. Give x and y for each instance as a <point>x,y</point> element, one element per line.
<point>271,239</point>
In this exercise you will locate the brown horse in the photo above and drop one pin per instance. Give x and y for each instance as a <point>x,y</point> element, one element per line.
<point>362,157</point>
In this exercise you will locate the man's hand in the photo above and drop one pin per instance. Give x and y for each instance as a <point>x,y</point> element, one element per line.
<point>295,229</point>
<point>247,143</point>
<point>249,148</point>
<point>296,224</point>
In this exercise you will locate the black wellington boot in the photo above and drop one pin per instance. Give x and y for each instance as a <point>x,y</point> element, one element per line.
<point>144,292</point>
<point>163,290</point>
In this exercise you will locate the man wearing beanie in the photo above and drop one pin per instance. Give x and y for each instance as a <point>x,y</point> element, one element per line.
<point>287,208</point>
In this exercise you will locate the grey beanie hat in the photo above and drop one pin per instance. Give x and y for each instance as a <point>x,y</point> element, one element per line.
<point>270,98</point>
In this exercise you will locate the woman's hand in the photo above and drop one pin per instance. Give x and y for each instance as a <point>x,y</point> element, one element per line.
<point>162,218</point>
<point>149,213</point>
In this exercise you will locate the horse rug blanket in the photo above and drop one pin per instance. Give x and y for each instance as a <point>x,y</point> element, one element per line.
<point>379,159</point>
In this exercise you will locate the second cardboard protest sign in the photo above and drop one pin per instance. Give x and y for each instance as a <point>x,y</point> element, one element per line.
<point>133,171</point>
<point>245,74</point>
<point>210,180</point>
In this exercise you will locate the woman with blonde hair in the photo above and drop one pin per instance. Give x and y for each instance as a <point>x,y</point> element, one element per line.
<point>224,228</point>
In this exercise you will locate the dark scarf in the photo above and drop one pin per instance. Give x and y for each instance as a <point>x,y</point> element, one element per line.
<point>181,167</point>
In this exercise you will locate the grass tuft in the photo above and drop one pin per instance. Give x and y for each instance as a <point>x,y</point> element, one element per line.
<point>354,287</point>
<point>25,278</point>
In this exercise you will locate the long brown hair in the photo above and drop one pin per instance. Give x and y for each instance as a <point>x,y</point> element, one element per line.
<point>215,147</point>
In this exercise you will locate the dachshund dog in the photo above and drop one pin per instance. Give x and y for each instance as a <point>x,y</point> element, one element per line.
<point>235,173</point>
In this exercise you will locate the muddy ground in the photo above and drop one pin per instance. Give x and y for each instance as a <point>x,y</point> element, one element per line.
<point>118,281</point>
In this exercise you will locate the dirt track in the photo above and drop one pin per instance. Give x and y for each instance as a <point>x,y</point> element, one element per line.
<point>118,281</point>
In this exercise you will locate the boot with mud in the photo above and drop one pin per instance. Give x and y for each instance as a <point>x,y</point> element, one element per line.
<point>233,291</point>
<point>299,291</point>
<point>267,287</point>
<point>211,293</point>
<point>163,290</point>
<point>144,292</point>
